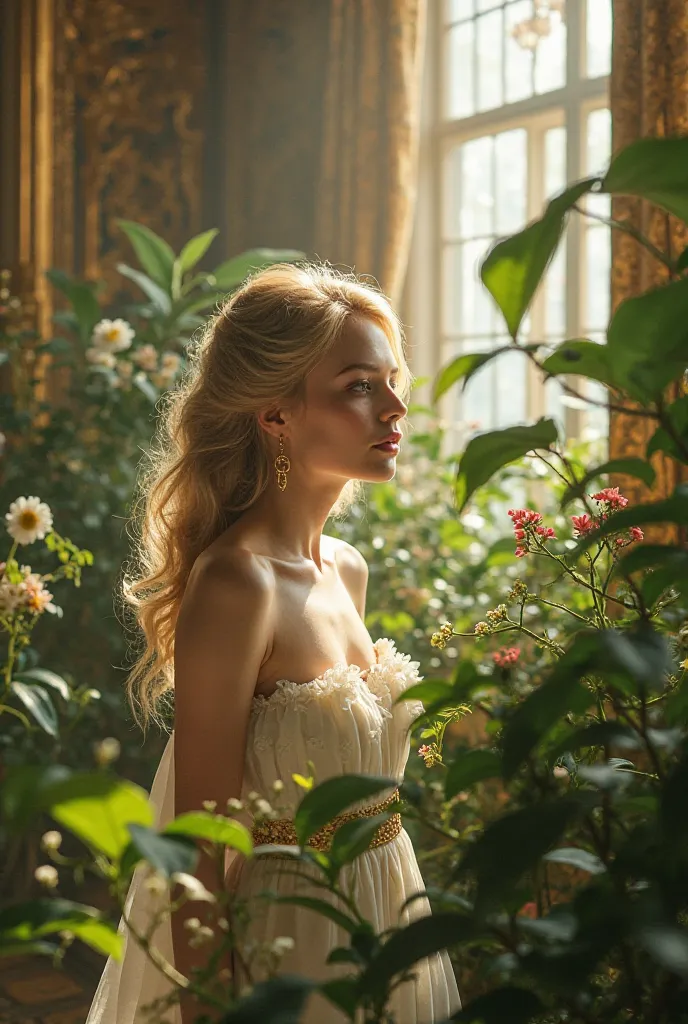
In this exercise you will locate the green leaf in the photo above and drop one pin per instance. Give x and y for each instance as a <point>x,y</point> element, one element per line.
<point>638,468</point>
<point>421,938</point>
<point>582,860</point>
<point>647,340</point>
<point>508,1003</point>
<point>154,254</point>
<point>654,169</point>
<point>321,907</point>
<point>469,767</point>
<point>582,357</point>
<point>670,510</point>
<point>514,267</point>
<point>670,565</point>
<point>278,1000</point>
<point>464,367</point>
<point>23,789</point>
<point>83,299</point>
<point>98,809</point>
<point>429,691</point>
<point>489,452</point>
<point>214,828</point>
<point>544,707</point>
<point>160,299</point>
<point>166,853</point>
<point>333,797</point>
<point>24,922</point>
<point>195,249</point>
<point>48,678</point>
<point>599,734</point>
<point>640,653</point>
<point>354,837</point>
<point>662,441</point>
<point>233,272</point>
<point>511,845</point>
<point>682,261</point>
<point>38,703</point>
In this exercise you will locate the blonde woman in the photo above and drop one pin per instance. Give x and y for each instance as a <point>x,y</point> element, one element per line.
<point>254,621</point>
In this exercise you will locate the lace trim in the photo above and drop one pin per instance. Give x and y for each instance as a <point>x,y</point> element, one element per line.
<point>348,680</point>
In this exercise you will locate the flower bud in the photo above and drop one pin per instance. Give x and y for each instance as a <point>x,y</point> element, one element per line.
<point>51,840</point>
<point>47,875</point>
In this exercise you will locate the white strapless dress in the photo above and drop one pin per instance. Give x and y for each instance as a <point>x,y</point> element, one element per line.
<point>343,722</point>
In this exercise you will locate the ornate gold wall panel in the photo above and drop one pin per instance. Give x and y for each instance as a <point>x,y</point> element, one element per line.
<point>649,97</point>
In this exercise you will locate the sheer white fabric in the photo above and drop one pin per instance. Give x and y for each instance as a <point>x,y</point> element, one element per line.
<point>342,722</point>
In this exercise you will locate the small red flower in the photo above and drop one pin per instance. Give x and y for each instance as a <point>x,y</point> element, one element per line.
<point>506,656</point>
<point>545,531</point>
<point>423,750</point>
<point>636,533</point>
<point>520,552</point>
<point>583,524</point>
<point>612,497</point>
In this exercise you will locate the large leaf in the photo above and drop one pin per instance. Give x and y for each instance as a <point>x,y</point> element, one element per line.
<point>647,340</point>
<point>582,357</point>
<point>99,809</point>
<point>655,169</point>
<point>321,907</point>
<point>508,1003</point>
<point>512,844</point>
<point>167,854</point>
<point>465,367</point>
<point>195,249</point>
<point>489,452</point>
<point>157,295</point>
<point>354,837</point>
<point>155,255</point>
<point>46,678</point>
<point>514,267</point>
<point>83,298</point>
<point>670,510</point>
<point>279,1000</point>
<point>37,701</point>
<point>638,468</point>
<point>214,828</point>
<point>533,719</point>
<point>663,441</point>
<point>233,272</point>
<point>23,789</point>
<point>469,767</point>
<point>668,562</point>
<point>333,797</point>
<point>24,922</point>
<point>421,938</point>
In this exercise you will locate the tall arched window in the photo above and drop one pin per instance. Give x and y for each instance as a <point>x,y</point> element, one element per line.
<point>515,105</point>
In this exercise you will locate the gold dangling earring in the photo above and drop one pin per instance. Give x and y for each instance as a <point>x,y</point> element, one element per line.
<point>282,465</point>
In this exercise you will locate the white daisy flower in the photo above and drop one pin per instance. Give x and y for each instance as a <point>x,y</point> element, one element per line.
<point>29,519</point>
<point>113,335</point>
<point>99,357</point>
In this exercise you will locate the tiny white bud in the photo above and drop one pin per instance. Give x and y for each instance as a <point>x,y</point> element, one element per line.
<point>210,805</point>
<point>282,944</point>
<point>51,840</point>
<point>156,883</point>
<point>47,875</point>
<point>278,785</point>
<point>195,889</point>
<point>253,796</point>
<point>192,924</point>
<point>263,807</point>
<point>234,805</point>
<point>106,751</point>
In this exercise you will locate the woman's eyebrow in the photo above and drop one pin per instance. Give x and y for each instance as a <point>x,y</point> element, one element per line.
<point>366,366</point>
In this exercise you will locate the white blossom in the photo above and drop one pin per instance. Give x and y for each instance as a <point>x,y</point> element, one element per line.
<point>194,887</point>
<point>29,519</point>
<point>112,335</point>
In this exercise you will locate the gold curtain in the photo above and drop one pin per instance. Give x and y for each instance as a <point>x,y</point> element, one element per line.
<point>367,187</point>
<point>649,98</point>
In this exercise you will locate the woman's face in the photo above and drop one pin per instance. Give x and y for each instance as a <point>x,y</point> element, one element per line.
<point>350,406</point>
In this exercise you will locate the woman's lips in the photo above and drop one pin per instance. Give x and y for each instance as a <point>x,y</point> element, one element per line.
<point>388,446</point>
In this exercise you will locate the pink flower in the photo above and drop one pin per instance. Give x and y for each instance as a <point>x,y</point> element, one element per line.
<point>583,524</point>
<point>506,656</point>
<point>425,749</point>
<point>545,531</point>
<point>519,534</point>
<point>524,516</point>
<point>520,552</point>
<point>612,497</point>
<point>619,542</point>
<point>636,533</point>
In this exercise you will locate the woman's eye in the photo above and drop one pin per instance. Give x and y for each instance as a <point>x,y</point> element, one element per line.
<point>393,384</point>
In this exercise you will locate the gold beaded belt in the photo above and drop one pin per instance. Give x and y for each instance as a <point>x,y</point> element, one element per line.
<point>281,831</point>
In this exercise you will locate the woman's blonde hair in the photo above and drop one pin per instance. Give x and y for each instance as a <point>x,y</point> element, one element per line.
<point>209,459</point>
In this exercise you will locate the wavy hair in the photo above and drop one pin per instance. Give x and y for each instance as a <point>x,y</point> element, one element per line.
<point>209,460</point>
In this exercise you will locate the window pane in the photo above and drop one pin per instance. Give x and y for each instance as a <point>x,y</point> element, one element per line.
<point>511,388</point>
<point>550,58</point>
<point>518,61</point>
<point>598,263</point>
<point>511,170</point>
<point>477,200</point>
<point>451,290</point>
<point>476,401</point>
<point>489,56</point>
<point>477,307</point>
<point>459,9</point>
<point>461,101</point>
<point>451,228</point>
<point>555,161</point>
<point>599,37</point>
<point>599,139</point>
<point>487,5</point>
<point>555,295</point>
